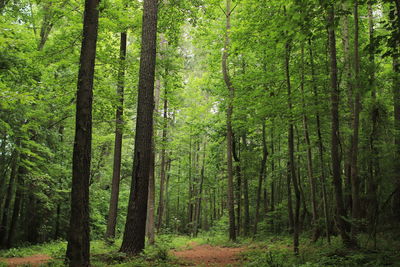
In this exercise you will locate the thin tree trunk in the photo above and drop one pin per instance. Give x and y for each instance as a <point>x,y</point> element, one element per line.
<point>310,173</point>
<point>17,205</point>
<point>372,186</point>
<point>238,185</point>
<point>58,217</point>
<point>337,181</point>
<point>350,103</point>
<point>7,203</point>
<point>355,184</point>
<point>190,191</point>
<point>200,193</point>
<point>229,131</point>
<point>134,235</point>
<point>260,178</point>
<point>113,209</point>
<point>273,175</point>
<point>246,225</point>
<point>160,210</point>
<point>78,250</point>
<point>290,202</point>
<point>166,199</point>
<point>320,145</point>
<point>292,166</point>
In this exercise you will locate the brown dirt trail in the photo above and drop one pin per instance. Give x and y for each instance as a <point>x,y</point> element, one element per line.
<point>34,261</point>
<point>206,255</point>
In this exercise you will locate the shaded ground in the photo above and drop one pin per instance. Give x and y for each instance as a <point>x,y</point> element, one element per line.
<point>206,255</point>
<point>34,261</point>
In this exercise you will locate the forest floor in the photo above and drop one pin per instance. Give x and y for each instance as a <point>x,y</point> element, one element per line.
<point>214,250</point>
<point>192,254</point>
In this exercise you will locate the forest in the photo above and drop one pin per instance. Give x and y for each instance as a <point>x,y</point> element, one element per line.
<point>199,133</point>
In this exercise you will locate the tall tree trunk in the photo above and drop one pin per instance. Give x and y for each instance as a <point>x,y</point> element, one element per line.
<point>292,167</point>
<point>350,103</point>
<point>374,161</point>
<point>355,184</point>
<point>32,217</point>
<point>112,212</point>
<point>310,173</point>
<point>190,190</point>
<point>238,173</point>
<point>372,186</point>
<point>134,234</point>
<point>78,250</point>
<point>246,223</point>
<point>7,203</point>
<point>229,131</point>
<point>150,221</point>
<point>320,144</point>
<point>260,178</point>
<point>200,193</point>
<point>272,206</point>
<point>289,199</point>
<point>167,201</point>
<point>337,181</point>
<point>160,210</point>
<point>17,205</point>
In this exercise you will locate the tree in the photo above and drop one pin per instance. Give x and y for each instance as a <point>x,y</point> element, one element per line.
<point>261,177</point>
<point>78,250</point>
<point>337,181</point>
<point>292,167</point>
<point>112,214</point>
<point>229,131</point>
<point>134,234</point>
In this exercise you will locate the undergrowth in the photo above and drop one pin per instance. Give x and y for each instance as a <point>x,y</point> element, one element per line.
<point>271,251</point>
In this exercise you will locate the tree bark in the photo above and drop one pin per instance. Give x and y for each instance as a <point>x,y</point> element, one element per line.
<point>320,144</point>
<point>310,172</point>
<point>200,193</point>
<point>350,103</point>
<point>134,235</point>
<point>17,205</point>
<point>4,227</point>
<point>292,167</point>
<point>160,210</point>
<point>337,181</point>
<point>78,250</point>
<point>113,209</point>
<point>246,223</point>
<point>150,224</point>
<point>355,184</point>
<point>238,172</point>
<point>272,205</point>
<point>260,178</point>
<point>229,131</point>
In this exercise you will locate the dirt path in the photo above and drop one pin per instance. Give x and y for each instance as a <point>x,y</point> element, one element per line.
<point>34,261</point>
<point>206,255</point>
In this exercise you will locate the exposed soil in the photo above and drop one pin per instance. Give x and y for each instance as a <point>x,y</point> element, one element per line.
<point>206,255</point>
<point>34,261</point>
